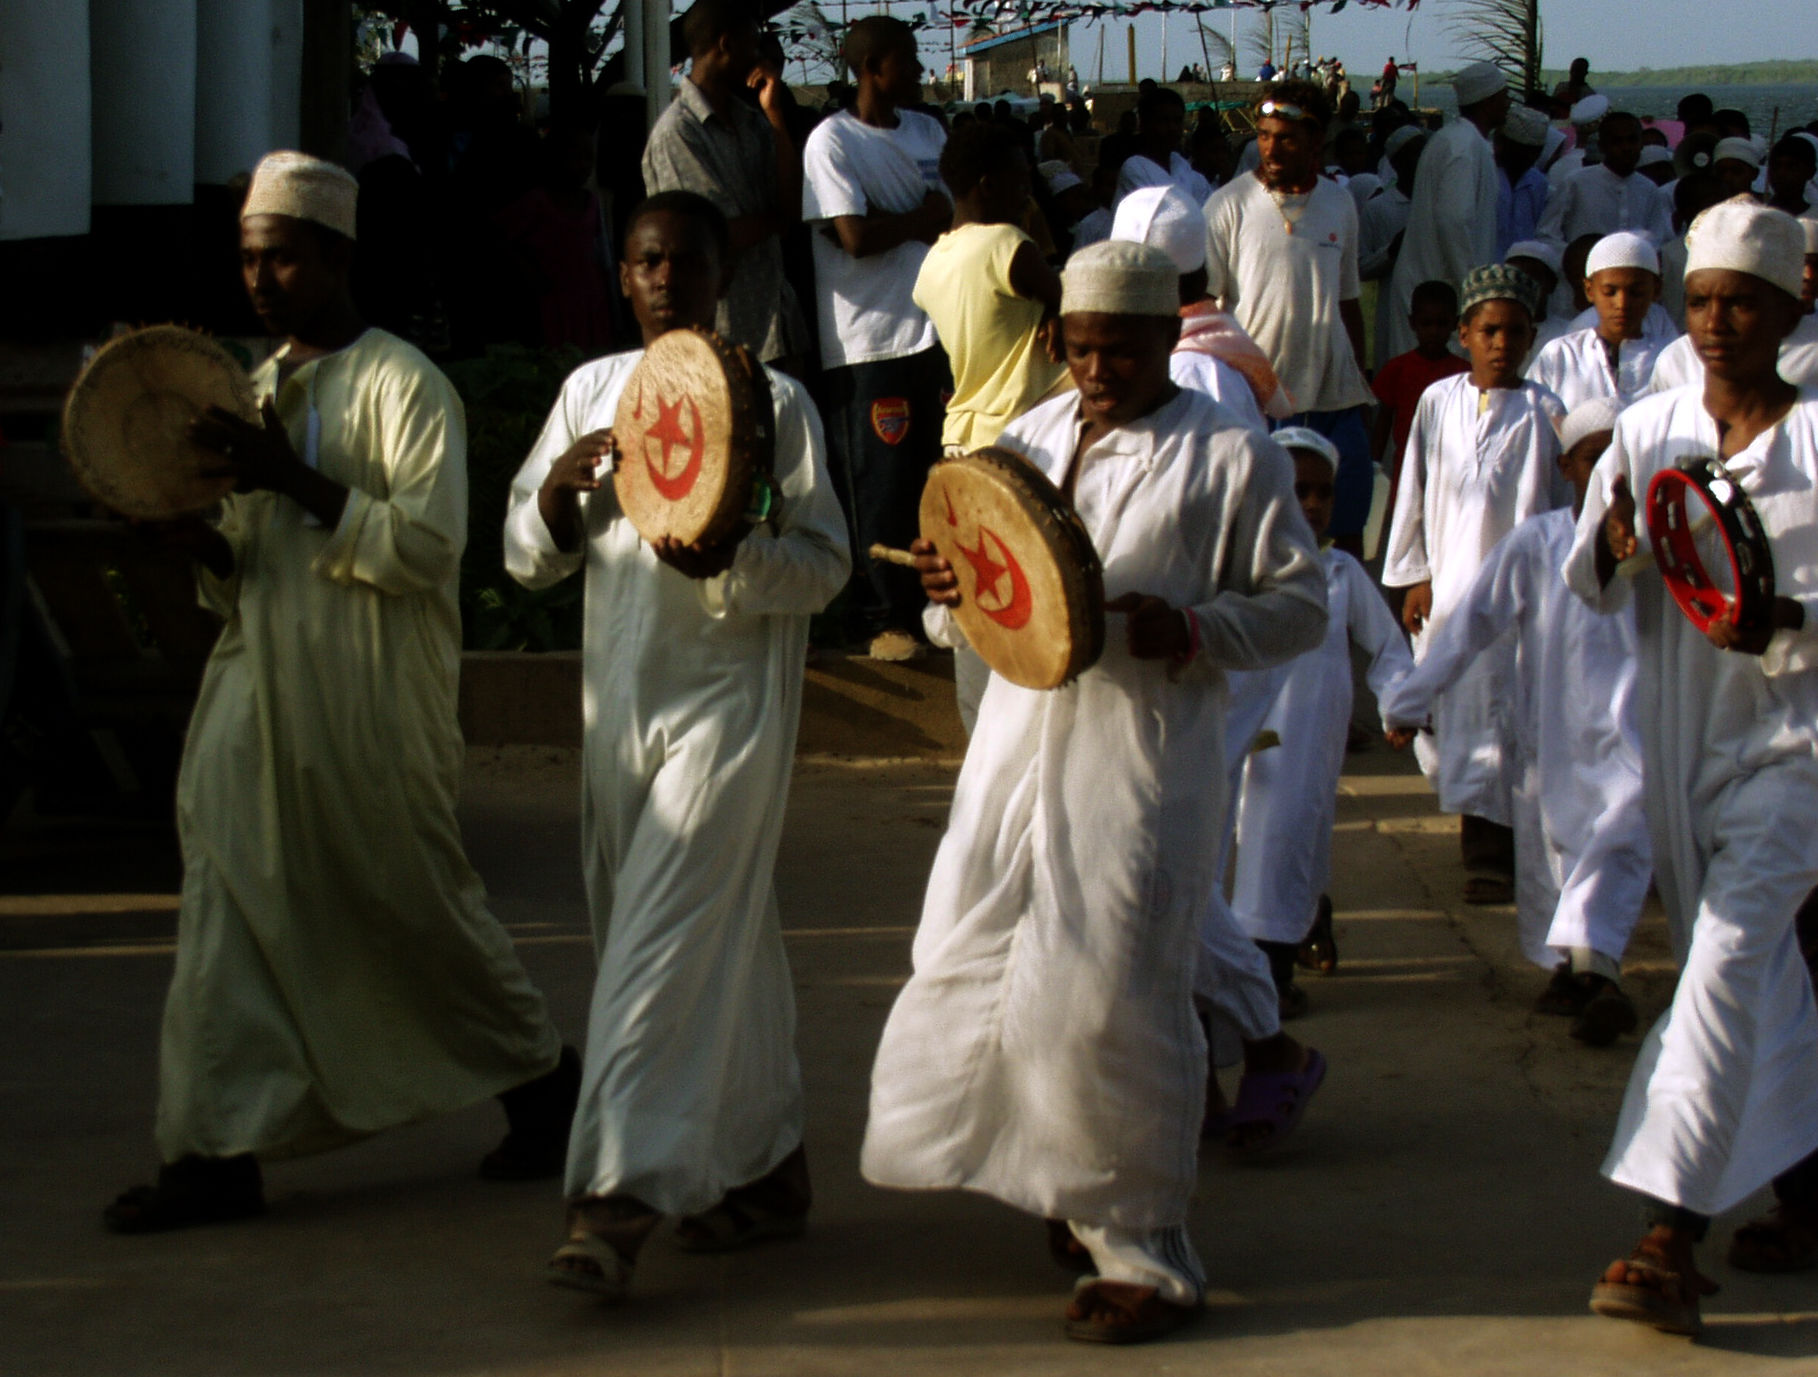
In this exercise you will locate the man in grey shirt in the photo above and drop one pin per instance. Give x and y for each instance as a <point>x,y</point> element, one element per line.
<point>712,142</point>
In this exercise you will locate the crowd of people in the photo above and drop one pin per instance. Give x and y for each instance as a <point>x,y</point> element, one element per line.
<point>1174,331</point>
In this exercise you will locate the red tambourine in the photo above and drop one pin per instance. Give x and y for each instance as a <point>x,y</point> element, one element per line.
<point>1709,545</point>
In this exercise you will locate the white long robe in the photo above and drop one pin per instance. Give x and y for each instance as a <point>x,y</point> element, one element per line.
<point>1045,1050</point>
<point>1680,366</point>
<point>1594,200</point>
<point>1581,845</point>
<point>338,972</point>
<point>1468,479</point>
<point>691,694</point>
<point>1290,792</point>
<point>1451,222</point>
<point>1725,1091</point>
<point>1576,368</point>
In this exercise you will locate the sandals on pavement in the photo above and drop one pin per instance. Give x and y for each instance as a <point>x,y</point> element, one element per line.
<point>192,1190</point>
<point>1120,1312</point>
<point>1781,1241</point>
<point>1319,951</point>
<point>590,1262</point>
<point>1069,1254</point>
<point>1644,1289</point>
<point>1276,1100</point>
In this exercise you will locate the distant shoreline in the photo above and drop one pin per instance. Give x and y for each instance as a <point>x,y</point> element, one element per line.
<point>1733,74</point>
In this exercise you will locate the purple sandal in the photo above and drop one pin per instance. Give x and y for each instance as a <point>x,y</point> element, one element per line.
<point>1277,1099</point>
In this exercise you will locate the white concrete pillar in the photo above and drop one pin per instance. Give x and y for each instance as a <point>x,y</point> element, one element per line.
<point>45,135</point>
<point>143,85</point>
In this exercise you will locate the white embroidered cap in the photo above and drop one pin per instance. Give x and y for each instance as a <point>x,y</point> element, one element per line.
<point>304,188</point>
<point>1305,437</point>
<point>1654,153</point>
<point>1540,251</point>
<point>1165,218</point>
<point>1525,126</point>
<point>1590,110</point>
<point>1742,150</point>
<point>1118,278</point>
<point>1401,138</point>
<point>1624,249</point>
<point>1744,236</point>
<point>1058,175</point>
<point>1587,418</point>
<point>1479,81</point>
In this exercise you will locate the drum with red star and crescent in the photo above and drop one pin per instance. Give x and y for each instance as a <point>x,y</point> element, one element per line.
<point>1032,592</point>
<point>696,440</point>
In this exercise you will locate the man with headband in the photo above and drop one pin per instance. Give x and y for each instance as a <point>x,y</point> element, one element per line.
<point>1725,1092</point>
<point>1048,1029</point>
<point>337,971</point>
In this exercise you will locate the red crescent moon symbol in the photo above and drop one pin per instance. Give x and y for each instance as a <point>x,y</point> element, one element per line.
<point>1020,606</point>
<point>668,429</point>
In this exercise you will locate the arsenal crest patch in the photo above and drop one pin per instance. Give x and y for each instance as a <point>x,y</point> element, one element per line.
<point>890,419</point>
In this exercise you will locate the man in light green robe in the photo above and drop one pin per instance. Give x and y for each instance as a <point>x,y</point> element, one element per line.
<point>338,972</point>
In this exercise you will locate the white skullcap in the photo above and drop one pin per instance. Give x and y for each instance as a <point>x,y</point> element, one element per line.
<point>1401,138</point>
<point>1810,225</point>
<point>1586,419</point>
<point>1742,150</point>
<point>303,188</point>
<point>1624,249</point>
<point>1590,110</point>
<point>1525,126</point>
<point>1540,251</point>
<point>1064,179</point>
<point>1118,278</point>
<point>1479,81</point>
<point>1744,236</point>
<point>1305,437</point>
<point>1654,153</point>
<point>1164,218</point>
<point>1556,138</point>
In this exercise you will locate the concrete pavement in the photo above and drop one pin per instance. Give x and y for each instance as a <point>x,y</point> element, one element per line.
<point>1440,1211</point>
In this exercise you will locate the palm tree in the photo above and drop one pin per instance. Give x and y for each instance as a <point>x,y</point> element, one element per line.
<point>1506,32</point>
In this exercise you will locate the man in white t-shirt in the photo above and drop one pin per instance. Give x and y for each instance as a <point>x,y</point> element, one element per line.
<point>1161,119</point>
<point>872,192</point>
<point>1281,256</point>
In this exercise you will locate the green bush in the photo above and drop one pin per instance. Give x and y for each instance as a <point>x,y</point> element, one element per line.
<point>508,392</point>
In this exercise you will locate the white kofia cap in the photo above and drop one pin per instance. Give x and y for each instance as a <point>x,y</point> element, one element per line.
<point>1305,437</point>
<point>1540,251</point>
<point>1654,153</point>
<point>1058,175</point>
<point>1525,126</point>
<point>1590,110</point>
<point>303,188</point>
<point>1744,236</point>
<point>1118,278</point>
<point>1624,249</point>
<point>1479,81</point>
<point>1165,218</point>
<point>1587,418</point>
<point>1742,150</point>
<point>1810,225</point>
<point>1401,138</point>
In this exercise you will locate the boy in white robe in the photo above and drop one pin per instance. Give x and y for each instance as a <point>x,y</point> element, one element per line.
<point>1161,119</point>
<point>1290,791</point>
<point>1482,458</point>
<point>1046,1049</point>
<point>1725,1092</point>
<point>1580,831</point>
<point>691,1099</point>
<point>337,971</point>
<point>1610,195</point>
<point>1613,358</point>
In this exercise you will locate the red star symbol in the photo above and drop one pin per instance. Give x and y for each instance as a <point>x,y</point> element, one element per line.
<point>986,571</point>
<point>668,428</point>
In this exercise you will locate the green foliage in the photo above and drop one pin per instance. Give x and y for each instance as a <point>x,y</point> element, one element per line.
<point>1736,74</point>
<point>508,392</point>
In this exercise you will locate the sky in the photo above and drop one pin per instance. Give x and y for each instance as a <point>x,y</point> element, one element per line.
<point>1616,35</point>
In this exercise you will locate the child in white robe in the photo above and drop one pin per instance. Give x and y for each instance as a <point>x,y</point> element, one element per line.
<point>691,1098</point>
<point>1725,1092</point>
<point>1046,1050</point>
<point>1613,358</point>
<point>1482,458</point>
<point>1581,845</point>
<point>1289,798</point>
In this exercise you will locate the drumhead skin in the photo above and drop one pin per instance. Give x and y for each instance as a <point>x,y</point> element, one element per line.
<point>695,434</point>
<point>126,423</point>
<point>1708,541</point>
<point>1032,592</point>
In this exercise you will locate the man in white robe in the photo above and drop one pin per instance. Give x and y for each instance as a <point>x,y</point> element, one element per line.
<point>1581,844</point>
<point>1452,221</point>
<point>1725,1092</point>
<point>1161,120</point>
<point>338,972</point>
<point>1613,358</point>
<point>1610,195</point>
<point>1481,458</point>
<point>1046,1049</point>
<point>691,1100</point>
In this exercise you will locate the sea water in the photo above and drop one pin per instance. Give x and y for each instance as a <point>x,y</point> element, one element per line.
<point>1795,102</point>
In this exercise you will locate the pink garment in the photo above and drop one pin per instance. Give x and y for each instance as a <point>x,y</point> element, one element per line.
<point>369,135</point>
<point>565,249</point>
<point>1206,329</point>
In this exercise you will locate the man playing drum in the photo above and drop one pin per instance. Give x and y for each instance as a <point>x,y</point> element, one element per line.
<point>691,1102</point>
<point>1725,1092</point>
<point>337,970</point>
<point>1048,1031</point>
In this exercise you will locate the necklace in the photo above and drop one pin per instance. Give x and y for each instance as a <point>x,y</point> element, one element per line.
<point>1299,210</point>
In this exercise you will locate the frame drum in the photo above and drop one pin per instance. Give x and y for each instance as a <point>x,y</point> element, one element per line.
<point>1708,542</point>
